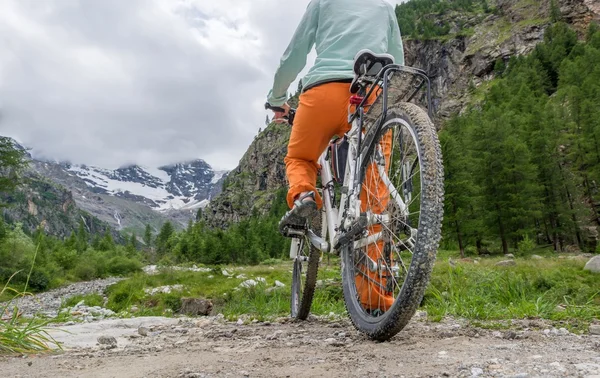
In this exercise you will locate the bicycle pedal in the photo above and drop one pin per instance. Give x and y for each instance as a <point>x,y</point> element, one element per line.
<point>293,232</point>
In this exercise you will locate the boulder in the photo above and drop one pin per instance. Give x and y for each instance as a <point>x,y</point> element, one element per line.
<point>195,306</point>
<point>593,265</point>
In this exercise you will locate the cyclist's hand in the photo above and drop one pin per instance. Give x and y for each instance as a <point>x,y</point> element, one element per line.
<point>279,115</point>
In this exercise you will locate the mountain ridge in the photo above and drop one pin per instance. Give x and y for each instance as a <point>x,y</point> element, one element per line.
<point>132,196</point>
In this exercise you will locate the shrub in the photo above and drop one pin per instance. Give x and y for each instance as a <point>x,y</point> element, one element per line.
<point>39,280</point>
<point>65,258</point>
<point>85,270</point>
<point>121,265</point>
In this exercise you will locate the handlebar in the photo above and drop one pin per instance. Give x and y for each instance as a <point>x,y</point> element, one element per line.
<point>291,114</point>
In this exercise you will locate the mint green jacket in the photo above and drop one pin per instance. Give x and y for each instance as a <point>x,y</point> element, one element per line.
<point>338,29</point>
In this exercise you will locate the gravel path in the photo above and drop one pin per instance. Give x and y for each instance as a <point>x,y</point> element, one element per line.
<point>211,347</point>
<point>48,303</point>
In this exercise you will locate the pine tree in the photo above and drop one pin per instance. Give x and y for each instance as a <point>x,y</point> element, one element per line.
<point>82,238</point>
<point>132,244</point>
<point>148,236</point>
<point>162,239</point>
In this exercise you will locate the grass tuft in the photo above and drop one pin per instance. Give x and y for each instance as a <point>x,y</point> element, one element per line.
<point>18,336</point>
<point>22,337</point>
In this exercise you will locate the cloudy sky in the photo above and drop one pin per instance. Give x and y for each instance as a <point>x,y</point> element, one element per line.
<point>151,82</point>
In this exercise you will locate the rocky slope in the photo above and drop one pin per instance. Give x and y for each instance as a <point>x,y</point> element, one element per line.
<point>41,203</point>
<point>465,58</point>
<point>253,184</point>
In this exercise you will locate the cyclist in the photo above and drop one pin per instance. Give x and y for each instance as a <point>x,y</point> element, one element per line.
<point>338,29</point>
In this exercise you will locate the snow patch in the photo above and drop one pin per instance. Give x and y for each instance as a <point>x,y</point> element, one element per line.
<point>218,175</point>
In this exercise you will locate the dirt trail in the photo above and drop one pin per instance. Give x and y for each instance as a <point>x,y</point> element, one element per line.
<point>211,347</point>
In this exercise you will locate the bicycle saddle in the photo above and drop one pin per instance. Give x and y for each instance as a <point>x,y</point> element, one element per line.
<point>367,63</point>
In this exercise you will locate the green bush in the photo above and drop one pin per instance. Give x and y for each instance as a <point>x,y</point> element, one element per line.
<point>85,270</point>
<point>65,258</point>
<point>39,280</point>
<point>121,265</point>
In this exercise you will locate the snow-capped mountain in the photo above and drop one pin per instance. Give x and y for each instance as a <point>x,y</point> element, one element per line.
<point>182,186</point>
<point>132,197</point>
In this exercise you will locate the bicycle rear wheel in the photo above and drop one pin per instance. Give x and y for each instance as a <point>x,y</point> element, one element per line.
<point>385,273</point>
<point>304,277</point>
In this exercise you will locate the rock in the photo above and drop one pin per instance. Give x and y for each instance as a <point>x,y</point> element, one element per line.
<point>109,341</point>
<point>594,329</point>
<point>134,309</point>
<point>506,263</point>
<point>593,265</point>
<point>279,284</point>
<point>562,332</point>
<point>143,331</point>
<point>509,256</point>
<point>536,257</point>
<point>510,335</point>
<point>195,306</point>
<point>248,283</point>
<point>334,342</point>
<point>476,372</point>
<point>163,289</point>
<point>225,273</point>
<point>275,335</point>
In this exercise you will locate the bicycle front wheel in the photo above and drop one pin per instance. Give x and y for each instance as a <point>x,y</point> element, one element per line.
<point>386,271</point>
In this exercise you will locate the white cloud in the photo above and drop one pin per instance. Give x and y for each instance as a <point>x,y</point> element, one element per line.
<point>151,82</point>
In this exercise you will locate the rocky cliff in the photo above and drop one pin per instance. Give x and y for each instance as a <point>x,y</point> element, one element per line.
<point>41,203</point>
<point>457,62</point>
<point>253,184</point>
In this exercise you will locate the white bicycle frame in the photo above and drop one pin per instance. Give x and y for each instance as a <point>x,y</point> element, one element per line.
<point>350,208</point>
<point>332,216</point>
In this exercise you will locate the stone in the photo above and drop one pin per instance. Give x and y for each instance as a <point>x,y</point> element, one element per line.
<point>536,257</point>
<point>248,283</point>
<point>510,335</point>
<point>279,284</point>
<point>593,265</point>
<point>109,341</point>
<point>275,335</point>
<point>143,331</point>
<point>594,329</point>
<point>195,306</point>
<point>334,342</point>
<point>225,273</point>
<point>476,372</point>
<point>506,263</point>
<point>509,256</point>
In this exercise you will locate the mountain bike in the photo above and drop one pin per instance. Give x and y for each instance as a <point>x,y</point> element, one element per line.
<point>382,190</point>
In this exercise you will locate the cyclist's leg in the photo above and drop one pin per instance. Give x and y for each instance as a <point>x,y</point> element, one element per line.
<point>321,111</point>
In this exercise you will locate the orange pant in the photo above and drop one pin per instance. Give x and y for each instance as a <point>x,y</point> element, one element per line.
<point>321,114</point>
